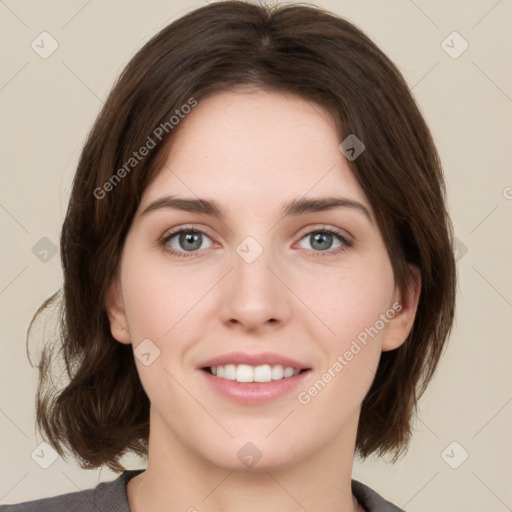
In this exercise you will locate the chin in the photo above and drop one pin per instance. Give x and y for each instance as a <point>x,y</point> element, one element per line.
<point>271,463</point>
<point>256,456</point>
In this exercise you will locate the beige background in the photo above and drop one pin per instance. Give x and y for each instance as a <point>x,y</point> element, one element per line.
<point>47,107</point>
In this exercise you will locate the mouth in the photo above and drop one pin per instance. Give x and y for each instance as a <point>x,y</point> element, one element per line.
<point>246,373</point>
<point>254,378</point>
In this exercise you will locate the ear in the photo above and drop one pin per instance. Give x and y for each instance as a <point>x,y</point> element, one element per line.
<point>116,314</point>
<point>405,305</point>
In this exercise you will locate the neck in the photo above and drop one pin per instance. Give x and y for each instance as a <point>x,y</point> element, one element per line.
<point>178,479</point>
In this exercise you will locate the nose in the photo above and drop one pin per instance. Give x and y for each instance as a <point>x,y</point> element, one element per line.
<point>255,295</point>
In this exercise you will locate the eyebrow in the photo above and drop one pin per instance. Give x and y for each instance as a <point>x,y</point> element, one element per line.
<point>295,207</point>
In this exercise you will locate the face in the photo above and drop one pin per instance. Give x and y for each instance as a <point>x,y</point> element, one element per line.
<point>256,288</point>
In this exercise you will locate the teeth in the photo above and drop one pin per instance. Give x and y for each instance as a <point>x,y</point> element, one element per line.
<point>247,373</point>
<point>230,372</point>
<point>262,373</point>
<point>288,372</point>
<point>277,372</point>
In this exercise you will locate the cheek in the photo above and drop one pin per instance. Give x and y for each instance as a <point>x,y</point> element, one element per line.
<point>159,306</point>
<point>364,299</point>
<point>149,312</point>
<point>157,299</point>
<point>350,299</point>
<point>351,309</point>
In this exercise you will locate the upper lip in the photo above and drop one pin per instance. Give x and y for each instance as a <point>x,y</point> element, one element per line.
<point>269,358</point>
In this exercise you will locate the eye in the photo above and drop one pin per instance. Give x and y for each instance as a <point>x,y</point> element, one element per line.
<point>321,241</point>
<point>185,240</point>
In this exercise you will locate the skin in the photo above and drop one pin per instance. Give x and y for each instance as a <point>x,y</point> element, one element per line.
<point>251,152</point>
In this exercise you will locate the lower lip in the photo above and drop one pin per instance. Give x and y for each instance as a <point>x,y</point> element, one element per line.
<point>254,393</point>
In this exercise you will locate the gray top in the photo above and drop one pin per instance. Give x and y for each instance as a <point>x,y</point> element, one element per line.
<point>111,497</point>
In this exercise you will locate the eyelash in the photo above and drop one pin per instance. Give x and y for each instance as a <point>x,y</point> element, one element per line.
<point>322,254</point>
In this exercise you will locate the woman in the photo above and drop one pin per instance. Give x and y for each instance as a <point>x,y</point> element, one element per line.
<point>258,270</point>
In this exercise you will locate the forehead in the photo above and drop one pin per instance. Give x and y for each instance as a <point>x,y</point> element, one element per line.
<point>250,149</point>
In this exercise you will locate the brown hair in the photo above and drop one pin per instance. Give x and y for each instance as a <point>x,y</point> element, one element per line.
<point>103,411</point>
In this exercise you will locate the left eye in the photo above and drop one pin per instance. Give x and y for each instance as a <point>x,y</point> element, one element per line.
<point>322,240</point>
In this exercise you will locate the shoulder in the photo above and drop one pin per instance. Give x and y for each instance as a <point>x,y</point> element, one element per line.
<point>105,497</point>
<point>369,499</point>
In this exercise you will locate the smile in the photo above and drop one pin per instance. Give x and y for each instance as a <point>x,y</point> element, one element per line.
<point>248,373</point>
<point>254,378</point>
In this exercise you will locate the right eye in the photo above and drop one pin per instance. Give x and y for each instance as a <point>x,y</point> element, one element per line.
<point>185,240</point>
